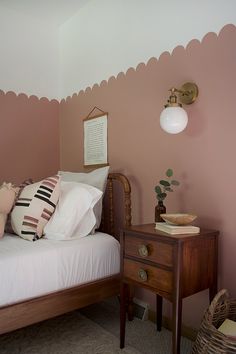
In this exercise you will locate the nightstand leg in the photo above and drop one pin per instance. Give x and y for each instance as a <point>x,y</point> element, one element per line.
<point>130,304</point>
<point>123,301</point>
<point>177,320</point>
<point>158,312</point>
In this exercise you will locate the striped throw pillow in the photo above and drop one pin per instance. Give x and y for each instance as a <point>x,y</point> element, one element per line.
<point>34,207</point>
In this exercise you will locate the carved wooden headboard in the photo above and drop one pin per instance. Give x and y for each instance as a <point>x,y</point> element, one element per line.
<point>116,205</point>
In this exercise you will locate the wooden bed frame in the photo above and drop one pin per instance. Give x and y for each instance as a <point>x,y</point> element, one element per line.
<point>41,308</point>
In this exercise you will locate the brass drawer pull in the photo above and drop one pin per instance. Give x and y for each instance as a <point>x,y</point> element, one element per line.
<point>143,251</point>
<point>142,274</point>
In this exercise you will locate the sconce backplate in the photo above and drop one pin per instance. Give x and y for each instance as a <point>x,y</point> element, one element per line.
<point>188,93</point>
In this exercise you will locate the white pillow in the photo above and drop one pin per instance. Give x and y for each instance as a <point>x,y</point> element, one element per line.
<point>73,216</point>
<point>96,178</point>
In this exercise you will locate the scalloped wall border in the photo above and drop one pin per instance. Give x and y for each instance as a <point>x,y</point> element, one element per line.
<point>131,70</point>
<point>155,60</point>
<point>22,95</point>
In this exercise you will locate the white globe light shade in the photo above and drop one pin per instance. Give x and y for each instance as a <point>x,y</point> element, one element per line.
<point>173,120</point>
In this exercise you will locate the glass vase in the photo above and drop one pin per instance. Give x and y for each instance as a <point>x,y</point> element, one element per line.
<point>159,209</point>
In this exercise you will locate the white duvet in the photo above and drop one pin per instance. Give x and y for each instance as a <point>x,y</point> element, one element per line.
<point>30,269</point>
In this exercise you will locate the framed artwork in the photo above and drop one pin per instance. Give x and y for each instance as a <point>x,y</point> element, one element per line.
<point>95,140</point>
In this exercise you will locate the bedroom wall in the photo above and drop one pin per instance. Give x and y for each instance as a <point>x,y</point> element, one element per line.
<point>29,127</point>
<point>29,137</point>
<point>201,156</point>
<point>29,54</point>
<point>107,36</point>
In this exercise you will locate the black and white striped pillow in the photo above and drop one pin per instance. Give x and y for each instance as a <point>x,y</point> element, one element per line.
<point>34,207</point>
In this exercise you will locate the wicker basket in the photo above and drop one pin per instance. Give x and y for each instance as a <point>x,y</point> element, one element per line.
<point>209,340</point>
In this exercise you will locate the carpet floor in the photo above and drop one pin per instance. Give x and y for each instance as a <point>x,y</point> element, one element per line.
<point>93,330</point>
<point>141,335</point>
<point>68,334</point>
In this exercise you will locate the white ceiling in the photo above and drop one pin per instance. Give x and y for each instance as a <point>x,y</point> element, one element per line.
<point>55,12</point>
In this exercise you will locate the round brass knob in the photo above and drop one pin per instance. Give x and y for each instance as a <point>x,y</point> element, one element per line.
<point>142,274</point>
<point>143,251</point>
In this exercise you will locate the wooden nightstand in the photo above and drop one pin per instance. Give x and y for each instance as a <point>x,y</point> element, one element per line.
<point>172,266</point>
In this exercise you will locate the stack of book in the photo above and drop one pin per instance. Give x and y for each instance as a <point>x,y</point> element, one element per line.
<point>176,229</point>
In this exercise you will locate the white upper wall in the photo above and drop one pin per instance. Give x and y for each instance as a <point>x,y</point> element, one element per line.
<point>54,12</point>
<point>28,55</point>
<point>103,38</point>
<point>109,36</point>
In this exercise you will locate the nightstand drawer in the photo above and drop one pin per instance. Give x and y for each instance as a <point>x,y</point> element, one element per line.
<point>158,252</point>
<point>156,278</point>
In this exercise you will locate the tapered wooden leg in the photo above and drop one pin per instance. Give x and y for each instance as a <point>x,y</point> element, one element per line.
<point>158,312</point>
<point>130,304</point>
<point>123,300</point>
<point>177,320</point>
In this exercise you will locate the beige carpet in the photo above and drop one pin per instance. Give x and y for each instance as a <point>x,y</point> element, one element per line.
<point>68,334</point>
<point>93,330</point>
<point>141,335</point>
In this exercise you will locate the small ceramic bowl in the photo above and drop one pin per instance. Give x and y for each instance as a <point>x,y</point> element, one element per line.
<point>178,219</point>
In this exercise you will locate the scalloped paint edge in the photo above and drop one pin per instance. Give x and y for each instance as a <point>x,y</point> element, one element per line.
<point>22,95</point>
<point>153,60</point>
<point>130,71</point>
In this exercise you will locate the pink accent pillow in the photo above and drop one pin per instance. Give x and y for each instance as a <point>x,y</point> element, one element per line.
<point>8,227</point>
<point>34,208</point>
<point>7,197</point>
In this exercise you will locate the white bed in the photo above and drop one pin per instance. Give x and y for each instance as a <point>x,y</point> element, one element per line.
<point>46,278</point>
<point>49,266</point>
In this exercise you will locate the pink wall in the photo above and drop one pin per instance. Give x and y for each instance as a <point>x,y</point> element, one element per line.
<point>29,137</point>
<point>202,156</point>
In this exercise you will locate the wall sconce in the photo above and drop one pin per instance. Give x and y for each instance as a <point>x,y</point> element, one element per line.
<point>173,118</point>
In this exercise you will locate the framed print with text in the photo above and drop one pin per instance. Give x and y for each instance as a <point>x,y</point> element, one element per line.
<point>95,140</point>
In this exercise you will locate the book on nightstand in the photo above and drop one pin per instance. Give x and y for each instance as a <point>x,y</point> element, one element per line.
<point>175,229</point>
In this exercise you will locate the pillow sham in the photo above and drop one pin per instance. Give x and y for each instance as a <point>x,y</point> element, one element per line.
<point>96,178</point>
<point>34,208</point>
<point>74,216</point>
<point>7,197</point>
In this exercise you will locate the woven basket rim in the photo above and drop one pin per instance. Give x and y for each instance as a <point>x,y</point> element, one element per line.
<point>209,339</point>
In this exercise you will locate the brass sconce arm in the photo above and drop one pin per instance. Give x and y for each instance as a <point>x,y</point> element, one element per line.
<point>187,94</point>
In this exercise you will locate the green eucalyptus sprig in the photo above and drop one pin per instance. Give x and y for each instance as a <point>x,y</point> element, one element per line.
<point>165,185</point>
